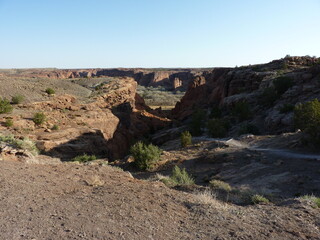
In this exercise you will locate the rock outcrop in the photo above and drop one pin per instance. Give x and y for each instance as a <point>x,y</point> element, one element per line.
<point>106,124</point>
<point>224,87</point>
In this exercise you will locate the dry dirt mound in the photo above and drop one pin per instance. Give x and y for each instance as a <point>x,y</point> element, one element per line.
<point>69,201</point>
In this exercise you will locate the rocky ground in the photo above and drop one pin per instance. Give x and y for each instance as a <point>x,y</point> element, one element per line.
<point>70,201</point>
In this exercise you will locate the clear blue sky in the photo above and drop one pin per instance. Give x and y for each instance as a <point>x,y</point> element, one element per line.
<point>155,33</point>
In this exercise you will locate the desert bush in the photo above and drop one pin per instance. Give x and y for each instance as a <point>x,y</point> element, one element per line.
<point>8,122</point>
<point>39,118</point>
<point>315,200</point>
<point>50,91</point>
<point>5,106</point>
<point>145,155</point>
<point>55,127</point>
<point>286,108</point>
<point>17,99</point>
<point>84,158</point>
<point>257,199</point>
<point>215,112</point>
<point>241,110</point>
<point>25,143</point>
<point>307,118</point>
<point>282,84</point>
<point>268,97</point>
<point>217,128</point>
<point>249,128</point>
<point>197,122</point>
<point>186,139</point>
<point>180,177</point>
<point>220,185</point>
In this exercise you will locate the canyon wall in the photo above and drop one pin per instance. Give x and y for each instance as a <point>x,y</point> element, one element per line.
<point>224,87</point>
<point>175,79</point>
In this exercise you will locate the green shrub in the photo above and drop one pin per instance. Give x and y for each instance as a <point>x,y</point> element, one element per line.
<point>24,143</point>
<point>5,106</point>
<point>50,91</point>
<point>99,87</point>
<point>307,118</point>
<point>84,158</point>
<point>313,199</point>
<point>186,139</point>
<point>39,118</point>
<point>217,128</point>
<point>282,84</point>
<point>17,99</point>
<point>268,97</point>
<point>241,110</point>
<point>8,122</point>
<point>249,128</point>
<point>220,185</point>
<point>284,66</point>
<point>145,155</point>
<point>159,96</point>
<point>180,177</point>
<point>286,108</point>
<point>257,199</point>
<point>197,122</point>
<point>55,127</point>
<point>215,112</point>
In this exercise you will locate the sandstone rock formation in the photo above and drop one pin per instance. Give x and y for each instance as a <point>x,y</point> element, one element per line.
<point>225,86</point>
<point>105,124</point>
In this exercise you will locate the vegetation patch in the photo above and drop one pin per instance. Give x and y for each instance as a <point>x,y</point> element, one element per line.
<point>286,108</point>
<point>8,122</point>
<point>145,155</point>
<point>241,110</point>
<point>179,177</point>
<point>17,99</point>
<point>197,122</point>
<point>186,139</point>
<point>268,97</point>
<point>50,91</point>
<point>220,185</point>
<point>39,118</point>
<point>217,128</point>
<point>258,199</point>
<point>315,200</point>
<point>249,128</point>
<point>159,96</point>
<point>84,158</point>
<point>307,118</point>
<point>55,127</point>
<point>215,112</point>
<point>282,84</point>
<point>5,106</point>
<point>25,143</point>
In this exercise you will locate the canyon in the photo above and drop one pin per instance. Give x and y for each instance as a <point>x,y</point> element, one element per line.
<point>98,112</point>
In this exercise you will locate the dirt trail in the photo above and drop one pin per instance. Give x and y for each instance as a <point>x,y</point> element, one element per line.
<point>287,153</point>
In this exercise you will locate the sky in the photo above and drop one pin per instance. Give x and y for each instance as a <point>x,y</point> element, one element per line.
<point>155,33</point>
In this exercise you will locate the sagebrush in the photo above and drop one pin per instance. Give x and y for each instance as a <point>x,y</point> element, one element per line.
<point>186,139</point>
<point>145,155</point>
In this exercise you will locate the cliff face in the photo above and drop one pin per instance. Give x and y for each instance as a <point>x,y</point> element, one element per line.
<point>106,124</point>
<point>171,79</point>
<point>224,87</point>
